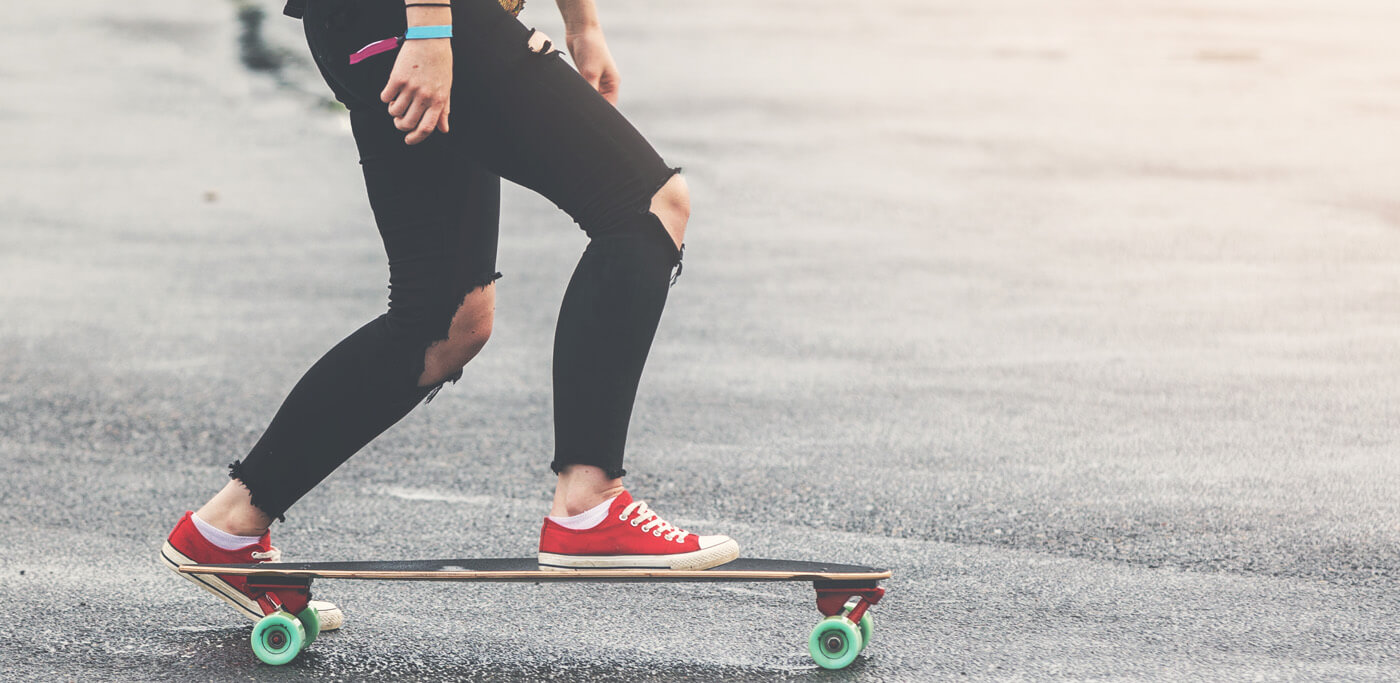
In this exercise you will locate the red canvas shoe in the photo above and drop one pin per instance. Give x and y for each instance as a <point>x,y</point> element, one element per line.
<point>187,546</point>
<point>631,537</point>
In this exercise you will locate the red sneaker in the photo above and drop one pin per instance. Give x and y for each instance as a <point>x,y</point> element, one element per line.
<point>631,537</point>
<point>187,546</point>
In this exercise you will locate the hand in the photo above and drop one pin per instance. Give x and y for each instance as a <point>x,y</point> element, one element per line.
<point>595,62</point>
<point>419,93</point>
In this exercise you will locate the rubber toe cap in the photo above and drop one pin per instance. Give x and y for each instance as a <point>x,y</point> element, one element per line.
<point>331,616</point>
<point>707,542</point>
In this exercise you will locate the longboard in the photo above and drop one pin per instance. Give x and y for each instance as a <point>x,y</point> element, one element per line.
<point>844,592</point>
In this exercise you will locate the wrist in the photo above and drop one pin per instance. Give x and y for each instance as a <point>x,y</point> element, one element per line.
<point>429,16</point>
<point>582,29</point>
<point>428,32</point>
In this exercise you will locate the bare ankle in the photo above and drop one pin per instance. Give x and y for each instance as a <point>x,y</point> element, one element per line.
<point>583,501</point>
<point>581,488</point>
<point>231,510</point>
<point>233,526</point>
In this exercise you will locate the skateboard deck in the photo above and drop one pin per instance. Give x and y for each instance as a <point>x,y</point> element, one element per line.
<point>528,569</point>
<point>844,592</point>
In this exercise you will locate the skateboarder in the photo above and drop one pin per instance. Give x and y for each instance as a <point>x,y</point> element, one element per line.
<point>445,99</point>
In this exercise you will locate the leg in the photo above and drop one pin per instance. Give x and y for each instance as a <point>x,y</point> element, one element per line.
<point>437,214</point>
<point>580,487</point>
<point>231,509</point>
<point>547,129</point>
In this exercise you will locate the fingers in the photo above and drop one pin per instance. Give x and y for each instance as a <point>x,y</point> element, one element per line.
<point>419,115</point>
<point>426,126</point>
<point>605,81</point>
<point>593,76</point>
<point>391,90</point>
<point>607,87</point>
<point>399,106</point>
<point>410,119</point>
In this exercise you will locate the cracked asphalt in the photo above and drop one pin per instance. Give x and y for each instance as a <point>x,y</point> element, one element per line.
<point>1079,317</point>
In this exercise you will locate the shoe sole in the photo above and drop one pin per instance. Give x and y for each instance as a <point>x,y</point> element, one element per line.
<point>330,615</point>
<point>696,560</point>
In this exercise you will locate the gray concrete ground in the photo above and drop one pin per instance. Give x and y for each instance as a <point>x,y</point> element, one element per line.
<point>1080,316</point>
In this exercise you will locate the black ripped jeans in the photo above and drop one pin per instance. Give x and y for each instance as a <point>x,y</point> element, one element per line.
<point>516,114</point>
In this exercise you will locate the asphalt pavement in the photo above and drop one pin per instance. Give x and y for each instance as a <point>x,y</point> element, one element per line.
<point>1080,317</point>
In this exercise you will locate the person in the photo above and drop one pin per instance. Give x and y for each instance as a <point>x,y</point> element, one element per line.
<point>445,99</point>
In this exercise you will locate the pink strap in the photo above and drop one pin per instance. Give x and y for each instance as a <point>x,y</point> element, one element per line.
<point>377,47</point>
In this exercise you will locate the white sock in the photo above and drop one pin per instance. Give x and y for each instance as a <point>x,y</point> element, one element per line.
<point>222,539</point>
<point>586,519</point>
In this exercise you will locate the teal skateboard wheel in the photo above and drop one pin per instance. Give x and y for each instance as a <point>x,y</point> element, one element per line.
<point>834,643</point>
<point>867,629</point>
<point>277,638</point>
<point>867,626</point>
<point>311,621</point>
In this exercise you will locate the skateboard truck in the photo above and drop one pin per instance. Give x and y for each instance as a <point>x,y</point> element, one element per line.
<point>271,585</point>
<point>833,597</point>
<point>839,638</point>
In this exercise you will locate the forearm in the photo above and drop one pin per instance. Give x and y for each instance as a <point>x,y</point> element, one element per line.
<point>579,15</point>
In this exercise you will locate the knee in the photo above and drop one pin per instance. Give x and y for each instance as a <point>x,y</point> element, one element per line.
<point>467,335</point>
<point>445,359</point>
<point>540,43</point>
<point>671,204</point>
<point>468,343</point>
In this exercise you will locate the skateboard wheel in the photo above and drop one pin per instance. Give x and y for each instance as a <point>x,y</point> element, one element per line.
<point>867,624</point>
<point>867,629</point>
<point>311,621</point>
<point>835,642</point>
<point>277,638</point>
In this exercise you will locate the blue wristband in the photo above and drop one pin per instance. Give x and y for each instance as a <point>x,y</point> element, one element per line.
<point>427,32</point>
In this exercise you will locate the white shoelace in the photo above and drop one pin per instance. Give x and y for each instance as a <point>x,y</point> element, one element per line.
<point>272,555</point>
<point>649,521</point>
